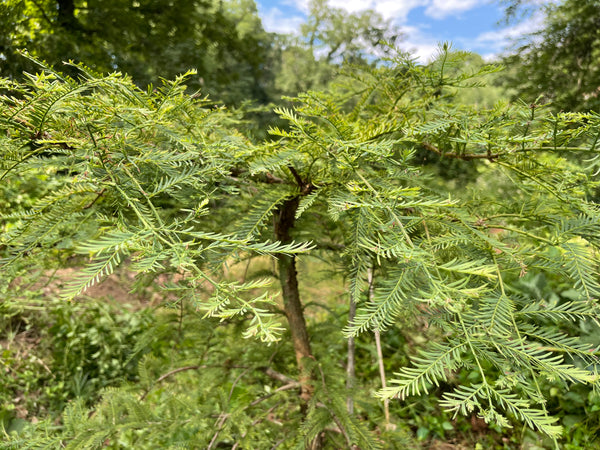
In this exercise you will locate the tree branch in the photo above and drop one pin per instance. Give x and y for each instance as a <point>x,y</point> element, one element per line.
<point>44,15</point>
<point>296,176</point>
<point>465,157</point>
<point>167,375</point>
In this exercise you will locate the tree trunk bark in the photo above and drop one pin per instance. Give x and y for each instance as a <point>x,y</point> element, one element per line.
<point>66,15</point>
<point>283,223</point>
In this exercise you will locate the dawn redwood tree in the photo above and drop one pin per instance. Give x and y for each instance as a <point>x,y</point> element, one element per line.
<point>160,180</point>
<point>456,261</point>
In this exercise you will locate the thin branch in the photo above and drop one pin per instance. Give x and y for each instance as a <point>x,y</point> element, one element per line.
<point>168,374</point>
<point>272,179</point>
<point>254,423</point>
<point>377,333</point>
<point>287,387</point>
<point>99,194</point>
<point>278,376</point>
<point>224,416</point>
<point>186,368</point>
<point>350,368</point>
<point>44,15</point>
<point>296,176</point>
<point>465,157</point>
<point>220,423</point>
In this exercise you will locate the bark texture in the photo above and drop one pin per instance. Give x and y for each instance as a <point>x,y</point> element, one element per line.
<point>283,223</point>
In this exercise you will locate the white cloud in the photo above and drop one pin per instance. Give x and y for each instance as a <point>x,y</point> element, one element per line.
<point>351,6</point>
<point>418,44</point>
<point>417,40</point>
<point>397,10</point>
<point>440,9</point>
<point>499,40</point>
<point>300,5</point>
<point>275,21</point>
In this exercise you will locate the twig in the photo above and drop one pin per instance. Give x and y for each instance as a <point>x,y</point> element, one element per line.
<point>168,374</point>
<point>100,194</point>
<point>286,387</point>
<point>465,157</point>
<point>296,176</point>
<point>350,369</point>
<point>222,418</point>
<point>278,443</point>
<point>256,422</point>
<point>235,382</point>
<point>341,428</point>
<point>278,376</point>
<point>376,332</point>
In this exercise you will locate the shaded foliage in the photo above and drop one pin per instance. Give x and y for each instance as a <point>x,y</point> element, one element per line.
<point>560,63</point>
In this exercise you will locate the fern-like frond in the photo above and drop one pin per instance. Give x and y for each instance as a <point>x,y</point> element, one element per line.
<point>91,274</point>
<point>496,314</point>
<point>581,269</point>
<point>262,209</point>
<point>185,175</point>
<point>555,341</point>
<point>531,354</point>
<point>534,418</point>
<point>571,311</point>
<point>479,268</point>
<point>389,302</point>
<point>114,241</point>
<point>306,202</point>
<point>429,368</point>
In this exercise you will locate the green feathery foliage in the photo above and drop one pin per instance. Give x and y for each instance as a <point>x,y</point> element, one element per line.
<point>133,174</point>
<point>456,260</point>
<point>140,176</point>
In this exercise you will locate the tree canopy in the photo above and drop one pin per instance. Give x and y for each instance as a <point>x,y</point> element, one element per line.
<point>560,63</point>
<point>223,41</point>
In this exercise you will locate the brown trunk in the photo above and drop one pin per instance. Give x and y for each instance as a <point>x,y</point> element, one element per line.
<point>283,224</point>
<point>66,15</point>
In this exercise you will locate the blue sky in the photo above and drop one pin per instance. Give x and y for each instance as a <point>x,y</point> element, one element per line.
<point>471,25</point>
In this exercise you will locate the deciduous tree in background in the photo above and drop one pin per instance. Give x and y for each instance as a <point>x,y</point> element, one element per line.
<point>561,62</point>
<point>223,41</point>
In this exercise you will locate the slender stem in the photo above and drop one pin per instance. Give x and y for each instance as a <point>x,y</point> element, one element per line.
<point>377,333</point>
<point>350,369</point>
<point>167,375</point>
<point>520,339</point>
<point>524,233</point>
<point>481,371</point>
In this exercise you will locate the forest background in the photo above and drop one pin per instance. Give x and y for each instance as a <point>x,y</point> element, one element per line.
<point>160,354</point>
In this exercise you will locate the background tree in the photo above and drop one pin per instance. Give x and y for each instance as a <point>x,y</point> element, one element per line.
<point>223,41</point>
<point>330,38</point>
<point>561,62</point>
